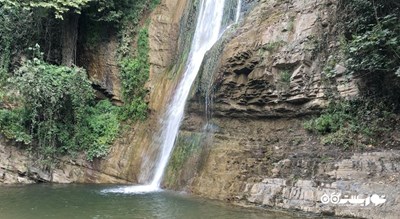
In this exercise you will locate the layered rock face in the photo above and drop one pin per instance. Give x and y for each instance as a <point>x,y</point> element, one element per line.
<point>164,35</point>
<point>269,74</point>
<point>18,166</point>
<point>273,65</point>
<point>276,163</point>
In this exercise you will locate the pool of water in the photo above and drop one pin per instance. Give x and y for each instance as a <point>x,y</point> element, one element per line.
<point>90,201</point>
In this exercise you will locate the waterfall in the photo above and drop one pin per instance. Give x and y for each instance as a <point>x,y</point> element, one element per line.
<point>206,34</point>
<point>238,9</point>
<point>208,30</point>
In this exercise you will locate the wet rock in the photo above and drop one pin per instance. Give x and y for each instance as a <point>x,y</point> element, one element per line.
<point>164,33</point>
<point>264,72</point>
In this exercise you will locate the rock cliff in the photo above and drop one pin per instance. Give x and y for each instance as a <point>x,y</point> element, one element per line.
<point>101,63</point>
<point>273,64</point>
<point>19,166</point>
<point>243,135</point>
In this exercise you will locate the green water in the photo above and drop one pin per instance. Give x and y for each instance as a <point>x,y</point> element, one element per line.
<point>88,201</point>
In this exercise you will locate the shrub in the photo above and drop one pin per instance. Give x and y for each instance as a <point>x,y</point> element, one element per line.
<point>332,119</point>
<point>352,123</point>
<point>12,125</point>
<point>98,129</point>
<point>58,113</point>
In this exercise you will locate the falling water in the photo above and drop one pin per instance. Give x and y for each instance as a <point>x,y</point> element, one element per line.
<point>238,9</point>
<point>206,34</point>
<point>208,30</point>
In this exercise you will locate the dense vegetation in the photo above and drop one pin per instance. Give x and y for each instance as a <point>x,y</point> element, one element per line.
<point>372,43</point>
<point>374,27</point>
<point>56,113</point>
<point>52,107</point>
<point>371,48</point>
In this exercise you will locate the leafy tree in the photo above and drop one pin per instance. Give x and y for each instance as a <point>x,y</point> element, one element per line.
<point>69,11</point>
<point>60,7</point>
<point>55,111</point>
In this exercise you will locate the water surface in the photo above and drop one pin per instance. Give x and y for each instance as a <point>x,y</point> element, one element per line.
<point>89,201</point>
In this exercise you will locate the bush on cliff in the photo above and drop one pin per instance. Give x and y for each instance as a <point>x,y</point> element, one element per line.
<point>56,112</point>
<point>134,74</point>
<point>353,124</point>
<point>372,44</point>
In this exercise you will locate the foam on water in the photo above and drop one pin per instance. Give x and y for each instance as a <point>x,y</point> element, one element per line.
<point>141,189</point>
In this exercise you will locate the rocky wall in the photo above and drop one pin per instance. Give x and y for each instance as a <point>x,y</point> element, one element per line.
<point>274,64</point>
<point>18,166</point>
<point>255,90</point>
<point>275,163</point>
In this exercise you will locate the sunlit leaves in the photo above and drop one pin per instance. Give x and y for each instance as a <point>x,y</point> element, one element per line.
<point>59,6</point>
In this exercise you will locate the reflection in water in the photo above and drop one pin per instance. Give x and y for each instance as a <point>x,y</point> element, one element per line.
<point>88,201</point>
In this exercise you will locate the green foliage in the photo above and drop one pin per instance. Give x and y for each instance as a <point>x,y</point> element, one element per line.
<point>329,69</point>
<point>352,123</point>
<point>55,111</point>
<point>12,125</point>
<point>129,29</point>
<point>101,10</point>
<point>285,76</point>
<point>18,29</point>
<point>59,6</point>
<point>134,74</point>
<point>98,130</point>
<point>136,109</point>
<point>120,10</point>
<point>377,50</point>
<point>332,119</point>
<point>373,30</point>
<point>59,114</point>
<point>273,46</point>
